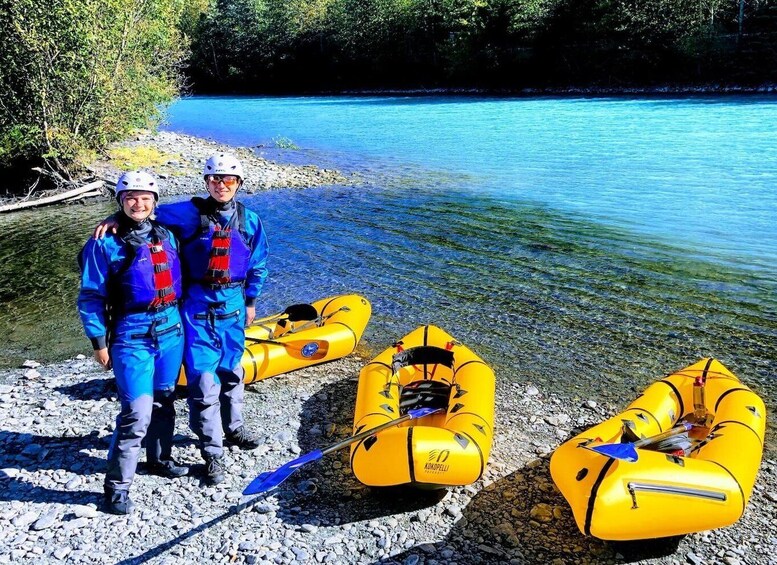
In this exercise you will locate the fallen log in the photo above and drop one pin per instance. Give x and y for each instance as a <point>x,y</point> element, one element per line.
<point>80,192</point>
<point>85,195</point>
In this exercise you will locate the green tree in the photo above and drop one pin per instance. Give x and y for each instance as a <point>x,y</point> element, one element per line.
<point>78,74</point>
<point>232,45</point>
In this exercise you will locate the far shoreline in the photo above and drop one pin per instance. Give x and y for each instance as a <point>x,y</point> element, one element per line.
<point>523,92</point>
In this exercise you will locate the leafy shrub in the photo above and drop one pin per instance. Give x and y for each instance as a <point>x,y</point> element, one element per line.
<point>78,74</point>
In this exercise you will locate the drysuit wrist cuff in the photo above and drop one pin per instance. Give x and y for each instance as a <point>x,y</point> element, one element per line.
<point>98,342</point>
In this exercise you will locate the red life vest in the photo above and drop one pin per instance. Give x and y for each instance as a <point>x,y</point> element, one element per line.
<point>218,255</point>
<point>150,276</point>
<point>163,276</point>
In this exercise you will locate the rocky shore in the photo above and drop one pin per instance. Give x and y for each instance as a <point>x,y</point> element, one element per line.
<point>56,420</point>
<point>178,161</point>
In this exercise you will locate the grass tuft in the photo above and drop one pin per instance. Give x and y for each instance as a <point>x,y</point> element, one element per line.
<point>130,158</point>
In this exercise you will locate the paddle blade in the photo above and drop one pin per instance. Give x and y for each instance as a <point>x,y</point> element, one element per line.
<point>620,451</point>
<point>421,412</point>
<point>254,486</point>
<point>269,480</point>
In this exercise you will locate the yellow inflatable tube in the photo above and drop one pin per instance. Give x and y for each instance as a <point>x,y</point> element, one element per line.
<point>445,449</point>
<point>281,343</point>
<point>705,486</point>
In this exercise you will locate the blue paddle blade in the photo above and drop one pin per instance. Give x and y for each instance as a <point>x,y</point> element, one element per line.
<point>620,451</point>
<point>253,485</point>
<point>421,412</point>
<point>269,480</point>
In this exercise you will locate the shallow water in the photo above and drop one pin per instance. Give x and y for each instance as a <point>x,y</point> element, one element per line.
<point>586,245</point>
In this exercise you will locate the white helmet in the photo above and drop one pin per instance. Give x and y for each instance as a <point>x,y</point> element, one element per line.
<point>136,180</point>
<point>223,164</point>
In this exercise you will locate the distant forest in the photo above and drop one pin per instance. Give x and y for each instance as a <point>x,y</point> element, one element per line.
<point>76,75</point>
<point>313,45</point>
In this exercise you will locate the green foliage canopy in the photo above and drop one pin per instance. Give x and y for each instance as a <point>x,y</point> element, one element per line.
<point>261,45</point>
<point>78,74</point>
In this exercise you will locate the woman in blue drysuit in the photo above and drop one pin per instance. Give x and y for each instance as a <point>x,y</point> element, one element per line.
<point>224,250</point>
<point>128,303</point>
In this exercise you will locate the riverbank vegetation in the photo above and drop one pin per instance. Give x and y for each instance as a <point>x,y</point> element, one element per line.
<point>266,45</point>
<point>78,74</point>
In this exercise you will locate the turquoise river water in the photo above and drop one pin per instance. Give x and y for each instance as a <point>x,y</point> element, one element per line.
<point>589,245</point>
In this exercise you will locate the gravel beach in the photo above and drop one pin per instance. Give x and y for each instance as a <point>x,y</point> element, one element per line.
<point>56,421</point>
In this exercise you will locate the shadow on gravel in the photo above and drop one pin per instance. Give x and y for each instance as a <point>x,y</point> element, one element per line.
<point>94,389</point>
<point>497,526</point>
<point>23,491</point>
<point>35,453</point>
<point>633,551</point>
<point>158,550</point>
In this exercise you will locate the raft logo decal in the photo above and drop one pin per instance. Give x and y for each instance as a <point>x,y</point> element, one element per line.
<point>436,463</point>
<point>309,349</point>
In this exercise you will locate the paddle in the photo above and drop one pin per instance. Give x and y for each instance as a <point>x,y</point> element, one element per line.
<point>305,349</point>
<point>628,451</point>
<point>272,479</point>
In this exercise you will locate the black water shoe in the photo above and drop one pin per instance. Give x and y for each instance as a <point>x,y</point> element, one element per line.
<point>118,502</point>
<point>214,470</point>
<point>167,468</point>
<point>242,438</point>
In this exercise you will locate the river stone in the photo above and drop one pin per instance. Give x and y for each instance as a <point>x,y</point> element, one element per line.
<point>82,511</point>
<point>542,512</point>
<point>75,524</point>
<point>73,483</point>
<point>45,521</point>
<point>693,559</point>
<point>31,449</point>
<point>558,420</point>
<point>25,519</point>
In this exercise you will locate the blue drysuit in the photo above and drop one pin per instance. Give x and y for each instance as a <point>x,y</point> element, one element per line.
<point>120,307</point>
<point>214,309</point>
